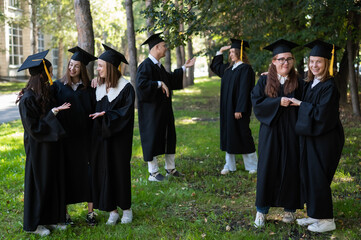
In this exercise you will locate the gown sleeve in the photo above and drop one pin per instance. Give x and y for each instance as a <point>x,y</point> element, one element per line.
<point>315,119</point>
<point>265,108</point>
<point>116,119</point>
<point>175,79</point>
<point>42,129</point>
<point>146,88</point>
<point>243,92</point>
<point>217,65</point>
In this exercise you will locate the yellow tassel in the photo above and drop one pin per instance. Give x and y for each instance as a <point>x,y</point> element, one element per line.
<point>332,59</point>
<point>120,68</point>
<point>47,73</point>
<point>242,51</point>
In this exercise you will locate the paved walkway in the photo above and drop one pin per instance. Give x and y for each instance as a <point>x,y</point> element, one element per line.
<point>8,109</point>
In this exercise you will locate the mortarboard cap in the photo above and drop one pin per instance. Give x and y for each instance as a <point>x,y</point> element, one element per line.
<point>153,40</point>
<point>238,43</point>
<point>36,64</point>
<point>112,56</point>
<point>81,55</point>
<point>280,46</point>
<point>320,48</point>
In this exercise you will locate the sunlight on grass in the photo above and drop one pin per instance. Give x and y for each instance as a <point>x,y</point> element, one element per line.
<point>341,176</point>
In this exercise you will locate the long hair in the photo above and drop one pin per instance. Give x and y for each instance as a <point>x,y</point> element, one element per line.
<point>84,76</point>
<point>238,55</point>
<point>273,84</point>
<point>39,84</point>
<point>112,78</point>
<point>325,75</point>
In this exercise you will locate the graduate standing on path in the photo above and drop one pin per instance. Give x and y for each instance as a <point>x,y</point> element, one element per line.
<point>112,138</point>
<point>321,137</point>
<point>278,177</point>
<point>235,108</point>
<point>75,88</point>
<point>44,189</point>
<point>154,87</point>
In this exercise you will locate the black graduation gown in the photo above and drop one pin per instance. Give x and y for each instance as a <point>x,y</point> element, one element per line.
<point>155,113</point>
<point>112,147</point>
<point>278,176</point>
<point>77,144</point>
<point>321,142</point>
<point>44,193</point>
<point>236,87</point>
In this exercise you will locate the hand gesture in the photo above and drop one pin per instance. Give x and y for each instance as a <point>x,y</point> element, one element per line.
<point>295,102</point>
<point>97,114</point>
<point>190,62</point>
<point>62,107</point>
<point>165,89</point>
<point>285,101</point>
<point>237,115</point>
<point>224,48</point>
<point>94,83</point>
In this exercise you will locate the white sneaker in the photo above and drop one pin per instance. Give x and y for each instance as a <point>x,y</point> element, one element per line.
<point>113,218</point>
<point>127,216</point>
<point>322,225</point>
<point>289,217</point>
<point>252,171</point>
<point>306,221</point>
<point>224,171</point>
<point>58,226</point>
<point>40,230</point>
<point>260,220</point>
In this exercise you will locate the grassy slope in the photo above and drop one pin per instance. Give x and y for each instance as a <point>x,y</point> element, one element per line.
<point>202,205</point>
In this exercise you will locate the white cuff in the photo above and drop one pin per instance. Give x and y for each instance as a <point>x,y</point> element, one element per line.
<point>159,84</point>
<point>184,68</point>
<point>55,112</point>
<point>218,53</point>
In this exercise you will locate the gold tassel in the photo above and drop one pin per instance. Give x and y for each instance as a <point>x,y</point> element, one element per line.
<point>46,70</point>
<point>120,68</point>
<point>242,51</point>
<point>332,59</point>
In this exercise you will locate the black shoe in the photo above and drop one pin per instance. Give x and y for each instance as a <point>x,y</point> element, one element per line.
<point>156,177</point>
<point>68,220</point>
<point>174,173</point>
<point>90,219</point>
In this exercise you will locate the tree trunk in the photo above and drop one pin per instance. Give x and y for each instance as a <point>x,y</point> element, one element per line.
<point>353,84</point>
<point>59,73</point>
<point>210,44</point>
<point>168,61</point>
<point>342,77</point>
<point>300,69</point>
<point>84,24</point>
<point>131,41</point>
<point>191,69</point>
<point>34,11</point>
<point>148,4</point>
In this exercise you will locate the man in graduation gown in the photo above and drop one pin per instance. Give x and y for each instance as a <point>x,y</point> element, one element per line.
<point>154,87</point>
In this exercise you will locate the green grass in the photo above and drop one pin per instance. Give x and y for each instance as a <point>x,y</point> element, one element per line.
<point>11,87</point>
<point>203,204</point>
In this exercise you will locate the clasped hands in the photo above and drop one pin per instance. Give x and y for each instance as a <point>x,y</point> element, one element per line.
<point>285,102</point>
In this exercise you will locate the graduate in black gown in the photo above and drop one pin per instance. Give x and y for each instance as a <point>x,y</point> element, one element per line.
<point>75,88</point>
<point>113,138</point>
<point>278,177</point>
<point>235,108</point>
<point>154,87</point>
<point>44,189</point>
<point>321,137</point>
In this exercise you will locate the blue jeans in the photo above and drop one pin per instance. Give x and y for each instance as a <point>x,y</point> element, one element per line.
<point>265,210</point>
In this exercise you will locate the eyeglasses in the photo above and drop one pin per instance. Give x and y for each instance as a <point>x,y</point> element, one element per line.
<point>283,60</point>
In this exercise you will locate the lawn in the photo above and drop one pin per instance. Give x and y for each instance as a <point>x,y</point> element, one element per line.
<point>11,87</point>
<point>202,205</point>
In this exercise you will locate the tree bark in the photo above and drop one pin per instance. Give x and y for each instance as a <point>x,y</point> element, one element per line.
<point>34,11</point>
<point>59,73</point>
<point>191,69</point>
<point>148,4</point>
<point>84,24</point>
<point>353,84</point>
<point>131,41</point>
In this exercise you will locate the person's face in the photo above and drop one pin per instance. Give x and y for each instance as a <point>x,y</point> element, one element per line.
<point>317,65</point>
<point>74,68</point>
<point>162,49</point>
<point>102,70</point>
<point>284,63</point>
<point>232,55</point>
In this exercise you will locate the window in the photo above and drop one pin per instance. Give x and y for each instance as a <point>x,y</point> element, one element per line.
<point>41,46</point>
<point>15,45</point>
<point>55,57</point>
<point>14,3</point>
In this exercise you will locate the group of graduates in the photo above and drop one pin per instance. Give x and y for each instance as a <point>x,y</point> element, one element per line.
<point>78,132</point>
<point>300,137</point>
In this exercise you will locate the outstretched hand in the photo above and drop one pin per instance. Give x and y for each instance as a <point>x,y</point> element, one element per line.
<point>97,114</point>
<point>62,107</point>
<point>190,62</point>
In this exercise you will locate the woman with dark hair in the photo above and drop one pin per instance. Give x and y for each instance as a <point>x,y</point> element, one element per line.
<point>113,137</point>
<point>75,88</point>
<point>235,108</point>
<point>278,177</point>
<point>44,192</point>
<point>321,137</point>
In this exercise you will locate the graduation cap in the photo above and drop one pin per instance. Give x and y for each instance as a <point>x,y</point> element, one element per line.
<point>81,55</point>
<point>323,49</point>
<point>239,44</point>
<point>112,56</point>
<point>280,46</point>
<point>153,40</point>
<point>36,63</point>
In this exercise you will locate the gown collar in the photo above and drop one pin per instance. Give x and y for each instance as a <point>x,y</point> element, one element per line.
<point>113,92</point>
